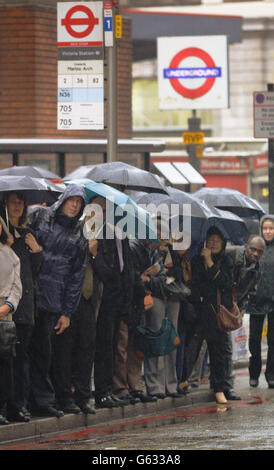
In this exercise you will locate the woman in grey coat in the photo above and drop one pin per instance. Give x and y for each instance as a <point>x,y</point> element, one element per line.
<point>10,295</point>
<point>260,307</point>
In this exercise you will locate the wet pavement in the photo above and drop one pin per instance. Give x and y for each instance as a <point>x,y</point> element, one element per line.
<point>173,425</point>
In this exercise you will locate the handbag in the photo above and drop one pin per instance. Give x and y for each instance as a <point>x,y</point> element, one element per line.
<point>176,290</point>
<point>229,320</point>
<point>8,338</point>
<point>153,343</point>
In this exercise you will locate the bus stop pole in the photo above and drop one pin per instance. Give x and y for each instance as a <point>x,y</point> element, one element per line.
<point>112,111</point>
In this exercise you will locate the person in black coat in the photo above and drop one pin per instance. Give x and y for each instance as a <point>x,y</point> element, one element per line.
<point>59,285</point>
<point>212,269</point>
<point>24,244</point>
<point>261,307</point>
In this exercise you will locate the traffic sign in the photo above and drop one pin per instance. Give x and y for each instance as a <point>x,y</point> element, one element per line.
<point>80,24</point>
<point>193,72</point>
<point>263,114</point>
<point>193,137</point>
<point>80,66</point>
<point>118,26</point>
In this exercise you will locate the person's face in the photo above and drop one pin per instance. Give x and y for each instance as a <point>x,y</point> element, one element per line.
<point>15,206</point>
<point>72,206</point>
<point>254,250</point>
<point>268,230</point>
<point>215,244</point>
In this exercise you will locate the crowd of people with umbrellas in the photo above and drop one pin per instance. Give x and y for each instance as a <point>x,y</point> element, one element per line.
<point>88,259</point>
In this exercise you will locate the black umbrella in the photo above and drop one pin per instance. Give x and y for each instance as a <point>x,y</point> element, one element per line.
<point>201,216</point>
<point>33,171</point>
<point>231,200</point>
<point>121,174</point>
<point>37,190</point>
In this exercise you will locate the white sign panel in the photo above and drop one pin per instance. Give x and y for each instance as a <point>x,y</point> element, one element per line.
<point>80,66</point>
<point>193,72</point>
<point>263,113</point>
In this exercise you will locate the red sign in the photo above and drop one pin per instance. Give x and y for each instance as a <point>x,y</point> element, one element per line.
<point>209,82</point>
<point>261,161</point>
<point>223,165</point>
<point>90,21</point>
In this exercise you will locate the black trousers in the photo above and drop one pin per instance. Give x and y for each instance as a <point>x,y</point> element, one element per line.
<point>107,329</point>
<point>83,330</point>
<point>6,381</point>
<point>50,361</point>
<point>256,324</point>
<point>21,368</point>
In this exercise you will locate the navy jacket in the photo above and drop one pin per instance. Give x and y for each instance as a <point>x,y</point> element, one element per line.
<point>65,251</point>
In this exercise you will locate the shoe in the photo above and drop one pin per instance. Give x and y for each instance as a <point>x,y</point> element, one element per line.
<point>253,382</point>
<point>70,407</point>
<point>48,411</point>
<point>87,408</point>
<point>138,394</point>
<point>130,399</point>
<point>25,411</point>
<point>19,416</point>
<point>231,395</point>
<point>159,395</point>
<point>107,401</point>
<point>3,420</point>
<point>220,398</point>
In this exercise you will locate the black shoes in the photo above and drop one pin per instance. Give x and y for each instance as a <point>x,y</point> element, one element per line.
<point>231,395</point>
<point>253,382</point>
<point>86,407</point>
<point>129,399</point>
<point>159,395</point>
<point>70,407</point>
<point>20,416</point>
<point>138,394</point>
<point>48,411</point>
<point>3,420</point>
<point>108,401</point>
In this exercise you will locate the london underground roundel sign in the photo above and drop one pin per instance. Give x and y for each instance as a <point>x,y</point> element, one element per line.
<point>79,24</point>
<point>192,72</point>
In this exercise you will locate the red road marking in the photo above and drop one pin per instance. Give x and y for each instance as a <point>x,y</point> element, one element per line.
<point>89,433</point>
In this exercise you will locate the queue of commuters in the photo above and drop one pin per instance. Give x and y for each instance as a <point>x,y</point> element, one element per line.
<point>76,303</point>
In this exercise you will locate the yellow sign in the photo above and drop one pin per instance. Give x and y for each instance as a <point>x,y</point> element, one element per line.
<point>199,150</point>
<point>193,137</point>
<point>118,26</point>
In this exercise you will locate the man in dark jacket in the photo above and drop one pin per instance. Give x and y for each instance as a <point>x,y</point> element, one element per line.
<point>260,307</point>
<point>59,232</point>
<point>114,268</point>
<point>246,275</point>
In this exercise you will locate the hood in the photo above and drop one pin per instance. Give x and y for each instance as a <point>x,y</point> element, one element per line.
<point>70,191</point>
<point>266,217</point>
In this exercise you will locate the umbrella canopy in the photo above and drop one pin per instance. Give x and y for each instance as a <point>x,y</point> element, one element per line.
<point>203,216</point>
<point>33,171</point>
<point>198,220</point>
<point>121,174</point>
<point>132,219</point>
<point>231,200</point>
<point>37,190</point>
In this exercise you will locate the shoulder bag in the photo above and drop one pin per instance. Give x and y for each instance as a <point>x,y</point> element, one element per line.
<point>228,320</point>
<point>153,343</point>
